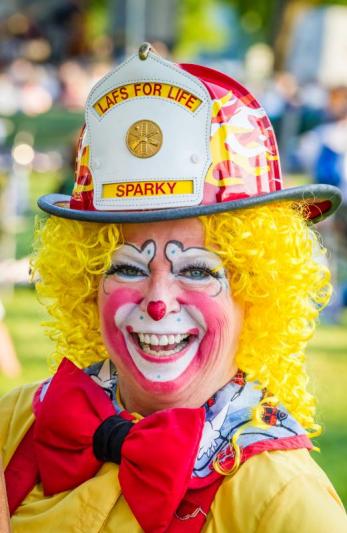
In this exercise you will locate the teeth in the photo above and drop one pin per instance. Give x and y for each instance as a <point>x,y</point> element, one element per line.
<point>162,353</point>
<point>163,341</point>
<point>154,340</point>
<point>149,340</point>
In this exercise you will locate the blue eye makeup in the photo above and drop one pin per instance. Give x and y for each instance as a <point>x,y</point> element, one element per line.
<point>125,270</point>
<point>199,271</point>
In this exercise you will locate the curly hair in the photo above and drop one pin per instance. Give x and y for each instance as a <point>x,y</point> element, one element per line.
<point>275,266</point>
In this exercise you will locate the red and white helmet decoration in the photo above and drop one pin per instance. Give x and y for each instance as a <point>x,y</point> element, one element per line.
<point>164,141</point>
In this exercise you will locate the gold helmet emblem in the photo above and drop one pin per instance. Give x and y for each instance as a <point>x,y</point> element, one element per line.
<point>144,138</point>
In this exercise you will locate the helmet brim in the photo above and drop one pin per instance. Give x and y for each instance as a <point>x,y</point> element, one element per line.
<point>322,201</point>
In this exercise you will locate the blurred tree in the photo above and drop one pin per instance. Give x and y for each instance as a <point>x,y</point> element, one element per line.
<point>259,17</point>
<point>197,28</point>
<point>97,18</point>
<point>267,17</point>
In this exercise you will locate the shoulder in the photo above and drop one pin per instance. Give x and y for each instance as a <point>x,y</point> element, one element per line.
<point>281,492</point>
<point>16,417</point>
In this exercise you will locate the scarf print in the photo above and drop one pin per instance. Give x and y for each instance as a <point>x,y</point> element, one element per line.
<point>227,410</point>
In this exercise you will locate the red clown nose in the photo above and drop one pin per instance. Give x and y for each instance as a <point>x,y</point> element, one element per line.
<point>156,310</point>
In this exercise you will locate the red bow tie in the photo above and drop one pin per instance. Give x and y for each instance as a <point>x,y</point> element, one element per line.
<point>158,454</point>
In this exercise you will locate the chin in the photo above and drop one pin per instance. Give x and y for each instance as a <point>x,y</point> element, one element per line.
<point>190,388</point>
<point>160,357</point>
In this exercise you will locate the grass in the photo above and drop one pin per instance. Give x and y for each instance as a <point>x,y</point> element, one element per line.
<point>39,184</point>
<point>326,360</point>
<point>23,317</point>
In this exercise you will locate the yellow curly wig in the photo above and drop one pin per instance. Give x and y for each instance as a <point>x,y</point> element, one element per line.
<point>275,267</point>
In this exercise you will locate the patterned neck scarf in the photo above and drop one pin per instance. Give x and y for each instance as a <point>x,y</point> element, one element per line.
<point>227,411</point>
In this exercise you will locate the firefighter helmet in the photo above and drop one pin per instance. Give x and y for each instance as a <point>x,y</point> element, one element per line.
<point>165,141</point>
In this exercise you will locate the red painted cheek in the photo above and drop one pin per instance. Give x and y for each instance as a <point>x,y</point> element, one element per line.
<point>111,305</point>
<point>212,309</point>
<point>215,312</point>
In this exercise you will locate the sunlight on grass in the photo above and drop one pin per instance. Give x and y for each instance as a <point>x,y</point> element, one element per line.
<point>23,317</point>
<point>327,362</point>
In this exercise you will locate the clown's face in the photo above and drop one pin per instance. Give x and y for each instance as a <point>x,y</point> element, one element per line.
<point>168,318</point>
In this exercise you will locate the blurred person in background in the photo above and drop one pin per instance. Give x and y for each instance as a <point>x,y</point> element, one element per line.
<point>323,154</point>
<point>74,79</point>
<point>9,364</point>
<point>322,150</point>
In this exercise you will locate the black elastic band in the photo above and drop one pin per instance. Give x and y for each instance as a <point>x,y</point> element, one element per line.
<point>109,437</point>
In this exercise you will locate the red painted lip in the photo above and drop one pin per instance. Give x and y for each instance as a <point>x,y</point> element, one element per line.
<point>163,359</point>
<point>193,331</point>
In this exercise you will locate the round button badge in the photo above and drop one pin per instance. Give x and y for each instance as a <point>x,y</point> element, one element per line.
<point>144,138</point>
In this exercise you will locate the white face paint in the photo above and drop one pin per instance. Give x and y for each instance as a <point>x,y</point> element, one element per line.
<point>196,265</point>
<point>131,263</point>
<point>167,316</point>
<point>148,342</point>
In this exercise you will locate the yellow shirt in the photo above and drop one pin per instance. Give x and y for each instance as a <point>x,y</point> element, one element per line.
<point>274,492</point>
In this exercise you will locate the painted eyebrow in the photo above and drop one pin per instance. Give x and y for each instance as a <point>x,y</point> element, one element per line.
<point>184,258</point>
<point>129,252</point>
<point>180,257</point>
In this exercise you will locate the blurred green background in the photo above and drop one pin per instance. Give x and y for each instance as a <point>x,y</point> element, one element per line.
<point>292,54</point>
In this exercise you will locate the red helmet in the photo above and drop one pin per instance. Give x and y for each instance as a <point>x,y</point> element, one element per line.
<point>165,141</point>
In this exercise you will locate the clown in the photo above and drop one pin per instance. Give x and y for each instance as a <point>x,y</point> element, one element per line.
<point>183,284</point>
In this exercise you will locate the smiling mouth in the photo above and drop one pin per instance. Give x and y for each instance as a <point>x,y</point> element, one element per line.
<point>163,345</point>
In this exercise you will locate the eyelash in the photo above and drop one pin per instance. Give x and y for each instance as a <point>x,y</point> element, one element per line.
<point>119,269</point>
<point>202,267</point>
